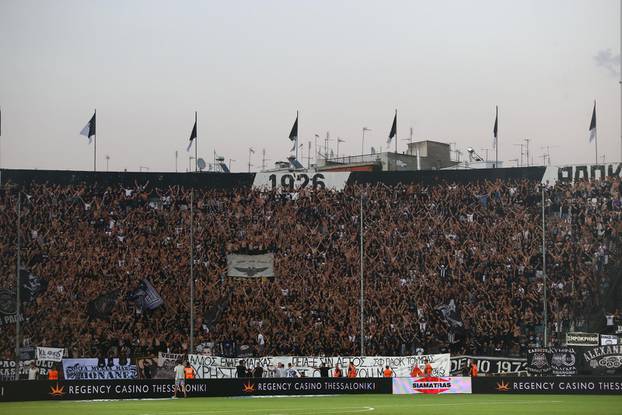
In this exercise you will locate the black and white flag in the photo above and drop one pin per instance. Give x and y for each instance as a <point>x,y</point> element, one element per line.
<point>592,130</point>
<point>89,129</point>
<point>293,134</point>
<point>146,296</point>
<point>31,285</point>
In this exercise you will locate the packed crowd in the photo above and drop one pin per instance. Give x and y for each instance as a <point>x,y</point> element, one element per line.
<point>447,267</point>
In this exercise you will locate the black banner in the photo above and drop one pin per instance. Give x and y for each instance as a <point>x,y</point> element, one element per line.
<point>543,385</point>
<point>101,307</point>
<point>230,181</point>
<point>163,388</point>
<point>7,368</point>
<point>582,339</point>
<point>601,360</point>
<point>564,361</point>
<point>557,361</point>
<point>487,365</point>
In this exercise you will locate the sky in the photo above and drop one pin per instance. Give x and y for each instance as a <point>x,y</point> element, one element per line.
<point>247,66</point>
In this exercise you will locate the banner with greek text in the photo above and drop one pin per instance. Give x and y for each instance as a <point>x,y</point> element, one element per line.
<point>160,367</point>
<point>215,367</point>
<point>92,369</point>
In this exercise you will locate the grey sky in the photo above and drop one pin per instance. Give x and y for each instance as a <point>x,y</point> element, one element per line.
<point>247,66</point>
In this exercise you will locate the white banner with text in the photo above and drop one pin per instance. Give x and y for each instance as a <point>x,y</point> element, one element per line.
<point>215,367</point>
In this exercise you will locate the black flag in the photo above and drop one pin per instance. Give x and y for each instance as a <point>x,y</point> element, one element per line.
<point>31,285</point>
<point>496,127</point>
<point>393,128</point>
<point>102,306</point>
<point>193,134</point>
<point>293,135</point>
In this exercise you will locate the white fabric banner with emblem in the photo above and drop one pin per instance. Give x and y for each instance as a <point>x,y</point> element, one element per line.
<point>250,266</point>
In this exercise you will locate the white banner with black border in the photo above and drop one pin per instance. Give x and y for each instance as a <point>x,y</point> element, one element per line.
<point>210,367</point>
<point>51,354</point>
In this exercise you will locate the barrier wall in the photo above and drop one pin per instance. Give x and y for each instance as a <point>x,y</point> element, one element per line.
<point>245,180</point>
<point>548,385</point>
<point>40,390</point>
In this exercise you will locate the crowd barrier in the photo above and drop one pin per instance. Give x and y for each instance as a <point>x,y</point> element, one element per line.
<point>548,385</point>
<point>41,390</point>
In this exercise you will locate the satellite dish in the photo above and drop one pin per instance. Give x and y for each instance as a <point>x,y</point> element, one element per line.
<point>201,164</point>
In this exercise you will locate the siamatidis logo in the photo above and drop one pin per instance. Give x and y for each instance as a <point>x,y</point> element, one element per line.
<point>431,385</point>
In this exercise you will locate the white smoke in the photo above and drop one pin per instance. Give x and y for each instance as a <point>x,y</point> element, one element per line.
<point>607,60</point>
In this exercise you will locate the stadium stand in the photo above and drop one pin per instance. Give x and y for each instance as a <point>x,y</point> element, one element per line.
<point>448,267</point>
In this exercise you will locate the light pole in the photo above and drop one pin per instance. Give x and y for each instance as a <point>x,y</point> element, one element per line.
<point>250,151</point>
<point>521,153</point>
<point>18,286</point>
<point>339,140</point>
<point>192,271</point>
<point>362,300</point>
<point>546,320</point>
<point>527,146</point>
<point>315,155</point>
<point>363,140</point>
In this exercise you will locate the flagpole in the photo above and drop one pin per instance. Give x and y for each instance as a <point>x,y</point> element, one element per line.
<point>0,138</point>
<point>95,143</point>
<point>192,271</point>
<point>497,137</point>
<point>196,168</point>
<point>596,136</point>
<point>297,129</point>
<point>396,132</point>
<point>17,288</point>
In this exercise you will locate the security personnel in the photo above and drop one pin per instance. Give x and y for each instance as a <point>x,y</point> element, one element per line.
<point>416,372</point>
<point>53,373</point>
<point>387,372</point>
<point>473,370</point>
<point>351,371</point>
<point>337,372</point>
<point>427,370</point>
<point>188,371</point>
